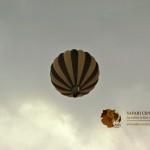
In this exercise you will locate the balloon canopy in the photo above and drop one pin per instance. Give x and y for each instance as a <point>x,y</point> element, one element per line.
<point>74,73</point>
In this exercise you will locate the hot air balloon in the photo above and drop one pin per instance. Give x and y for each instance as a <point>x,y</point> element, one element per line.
<point>74,73</point>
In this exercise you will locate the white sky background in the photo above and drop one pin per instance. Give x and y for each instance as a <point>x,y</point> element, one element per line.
<point>33,115</point>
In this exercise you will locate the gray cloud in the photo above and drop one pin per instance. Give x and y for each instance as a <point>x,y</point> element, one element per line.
<point>37,125</point>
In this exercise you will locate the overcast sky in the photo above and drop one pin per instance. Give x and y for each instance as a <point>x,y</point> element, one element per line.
<point>33,115</point>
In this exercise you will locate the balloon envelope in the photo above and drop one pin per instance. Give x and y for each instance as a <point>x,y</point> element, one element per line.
<point>74,73</point>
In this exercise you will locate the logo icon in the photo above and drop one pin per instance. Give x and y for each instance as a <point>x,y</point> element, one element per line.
<point>111,118</point>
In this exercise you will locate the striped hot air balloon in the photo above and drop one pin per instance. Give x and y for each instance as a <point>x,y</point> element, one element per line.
<point>74,73</point>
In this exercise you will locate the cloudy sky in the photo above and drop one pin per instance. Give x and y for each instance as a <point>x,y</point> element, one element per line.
<point>33,115</point>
